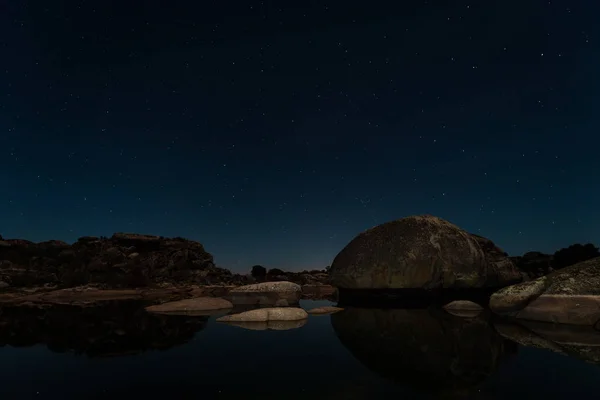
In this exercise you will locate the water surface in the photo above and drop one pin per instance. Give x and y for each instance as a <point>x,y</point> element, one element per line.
<point>120,351</point>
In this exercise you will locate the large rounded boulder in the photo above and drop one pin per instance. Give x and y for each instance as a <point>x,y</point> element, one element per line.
<point>421,252</point>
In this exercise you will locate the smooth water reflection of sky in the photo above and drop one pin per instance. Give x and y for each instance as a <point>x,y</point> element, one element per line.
<point>225,362</point>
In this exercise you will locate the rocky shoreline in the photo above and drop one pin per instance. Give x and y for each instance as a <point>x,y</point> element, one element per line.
<point>422,295</point>
<point>414,259</point>
<point>91,296</point>
<point>124,267</point>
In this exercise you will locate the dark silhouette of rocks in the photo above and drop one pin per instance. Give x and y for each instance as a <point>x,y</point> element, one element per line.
<point>427,349</point>
<point>535,264</point>
<point>574,254</point>
<point>313,277</point>
<point>96,269</point>
<point>121,261</point>
<point>125,260</point>
<point>266,294</point>
<point>115,328</point>
<point>128,260</point>
<point>258,272</point>
<point>421,252</point>
<point>275,272</point>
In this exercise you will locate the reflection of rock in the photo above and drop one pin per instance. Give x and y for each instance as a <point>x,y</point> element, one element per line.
<point>269,325</point>
<point>578,341</point>
<point>196,306</point>
<point>278,294</point>
<point>569,296</point>
<point>425,348</point>
<point>421,252</point>
<point>325,310</point>
<point>463,308</point>
<point>267,314</point>
<point>113,328</point>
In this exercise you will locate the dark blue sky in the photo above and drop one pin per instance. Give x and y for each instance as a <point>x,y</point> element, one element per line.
<point>274,132</point>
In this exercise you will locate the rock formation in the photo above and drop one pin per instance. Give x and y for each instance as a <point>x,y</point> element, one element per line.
<point>128,260</point>
<point>325,310</point>
<point>123,260</point>
<point>278,294</point>
<point>422,252</point>
<point>570,296</point>
<point>533,264</point>
<point>194,306</point>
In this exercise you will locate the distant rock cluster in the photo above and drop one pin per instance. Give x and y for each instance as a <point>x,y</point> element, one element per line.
<point>123,260</point>
<point>535,264</point>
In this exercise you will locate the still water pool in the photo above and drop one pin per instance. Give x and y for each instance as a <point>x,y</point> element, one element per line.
<point>120,351</point>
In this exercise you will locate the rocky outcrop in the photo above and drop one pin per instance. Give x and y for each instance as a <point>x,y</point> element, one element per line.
<point>195,306</point>
<point>533,264</point>
<point>574,254</point>
<point>266,315</point>
<point>423,348</point>
<point>279,294</point>
<point>314,277</point>
<point>85,296</point>
<point>115,328</point>
<point>123,260</point>
<point>569,296</point>
<point>325,292</point>
<point>421,252</point>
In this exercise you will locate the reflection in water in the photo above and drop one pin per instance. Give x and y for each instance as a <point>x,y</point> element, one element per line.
<point>423,348</point>
<point>578,341</point>
<point>114,328</point>
<point>267,325</point>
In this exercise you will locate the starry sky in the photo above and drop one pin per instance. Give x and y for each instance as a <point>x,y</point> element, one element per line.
<point>275,132</point>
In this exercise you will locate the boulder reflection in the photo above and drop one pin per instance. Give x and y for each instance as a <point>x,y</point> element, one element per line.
<point>428,349</point>
<point>115,328</point>
<point>578,341</point>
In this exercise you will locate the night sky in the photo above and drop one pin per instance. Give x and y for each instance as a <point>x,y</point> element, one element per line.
<point>274,132</point>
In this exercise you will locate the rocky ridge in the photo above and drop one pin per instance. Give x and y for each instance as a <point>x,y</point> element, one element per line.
<point>124,266</point>
<point>125,260</point>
